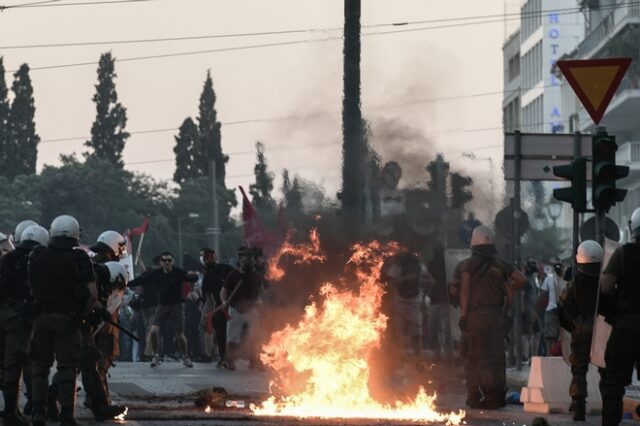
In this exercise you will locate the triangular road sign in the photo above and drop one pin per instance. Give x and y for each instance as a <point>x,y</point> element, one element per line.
<point>595,81</point>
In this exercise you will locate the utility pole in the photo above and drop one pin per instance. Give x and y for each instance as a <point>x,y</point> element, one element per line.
<point>353,147</point>
<point>213,231</point>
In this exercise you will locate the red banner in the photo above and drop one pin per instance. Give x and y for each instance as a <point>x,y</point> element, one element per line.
<point>255,235</point>
<point>140,229</point>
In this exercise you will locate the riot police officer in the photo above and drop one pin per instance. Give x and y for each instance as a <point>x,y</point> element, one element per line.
<point>64,292</point>
<point>15,319</point>
<point>487,285</point>
<point>578,307</point>
<point>99,335</point>
<point>621,279</point>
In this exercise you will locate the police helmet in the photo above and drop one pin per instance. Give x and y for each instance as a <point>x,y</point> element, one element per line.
<point>482,235</point>
<point>113,241</point>
<point>37,234</point>
<point>634,224</point>
<point>17,234</point>
<point>65,226</point>
<point>589,257</point>
<point>118,273</point>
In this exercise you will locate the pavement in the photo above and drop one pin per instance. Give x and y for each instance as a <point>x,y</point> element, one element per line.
<point>169,394</point>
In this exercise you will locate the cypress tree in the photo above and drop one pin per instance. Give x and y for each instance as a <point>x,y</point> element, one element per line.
<point>261,189</point>
<point>209,144</point>
<point>108,135</point>
<point>22,149</point>
<point>185,141</point>
<point>4,120</point>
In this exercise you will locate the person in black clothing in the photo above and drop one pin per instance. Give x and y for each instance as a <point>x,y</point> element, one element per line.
<point>15,321</point>
<point>576,313</point>
<point>212,283</point>
<point>64,292</point>
<point>147,300</point>
<point>241,294</point>
<point>621,282</point>
<point>101,340</point>
<point>169,280</point>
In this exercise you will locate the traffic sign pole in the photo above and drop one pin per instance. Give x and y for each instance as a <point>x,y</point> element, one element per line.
<point>577,152</point>
<point>517,303</point>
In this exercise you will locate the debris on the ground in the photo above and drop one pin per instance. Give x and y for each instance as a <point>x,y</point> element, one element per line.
<point>211,398</point>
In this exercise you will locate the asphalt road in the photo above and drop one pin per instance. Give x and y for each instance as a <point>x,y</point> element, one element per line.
<point>167,395</point>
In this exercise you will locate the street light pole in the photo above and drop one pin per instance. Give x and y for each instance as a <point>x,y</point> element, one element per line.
<point>180,253</point>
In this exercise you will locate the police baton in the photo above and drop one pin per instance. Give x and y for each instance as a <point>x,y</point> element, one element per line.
<point>119,327</point>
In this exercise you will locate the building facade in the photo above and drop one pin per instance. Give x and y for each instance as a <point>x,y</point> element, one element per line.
<point>612,29</point>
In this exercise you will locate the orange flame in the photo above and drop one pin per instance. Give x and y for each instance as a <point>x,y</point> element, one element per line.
<point>302,253</point>
<point>331,346</point>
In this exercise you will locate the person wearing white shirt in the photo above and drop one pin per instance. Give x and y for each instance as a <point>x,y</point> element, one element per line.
<point>552,288</point>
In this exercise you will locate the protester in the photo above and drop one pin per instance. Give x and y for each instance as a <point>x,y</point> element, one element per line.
<point>550,291</point>
<point>169,280</point>
<point>241,294</point>
<point>148,303</point>
<point>214,318</point>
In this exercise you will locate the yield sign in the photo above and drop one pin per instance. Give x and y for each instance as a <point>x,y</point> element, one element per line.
<point>595,81</point>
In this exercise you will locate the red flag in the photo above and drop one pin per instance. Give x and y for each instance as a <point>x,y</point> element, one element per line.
<point>140,230</point>
<point>254,233</point>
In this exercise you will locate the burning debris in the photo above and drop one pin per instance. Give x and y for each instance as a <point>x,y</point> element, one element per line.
<point>322,363</point>
<point>301,253</point>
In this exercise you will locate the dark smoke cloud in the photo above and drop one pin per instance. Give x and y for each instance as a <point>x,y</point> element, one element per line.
<point>395,140</point>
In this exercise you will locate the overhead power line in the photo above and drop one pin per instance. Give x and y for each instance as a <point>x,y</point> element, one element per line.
<point>296,42</point>
<point>56,3</point>
<point>481,18</point>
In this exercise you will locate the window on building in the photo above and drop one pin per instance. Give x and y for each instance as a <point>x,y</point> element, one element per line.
<point>514,66</point>
<point>531,17</point>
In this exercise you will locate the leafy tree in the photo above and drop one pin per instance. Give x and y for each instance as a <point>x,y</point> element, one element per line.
<point>5,110</point>
<point>209,144</point>
<point>21,152</point>
<point>184,151</point>
<point>261,189</point>
<point>109,198</point>
<point>108,134</point>
<point>19,200</point>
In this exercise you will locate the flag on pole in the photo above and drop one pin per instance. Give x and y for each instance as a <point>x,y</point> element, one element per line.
<point>255,235</point>
<point>140,230</point>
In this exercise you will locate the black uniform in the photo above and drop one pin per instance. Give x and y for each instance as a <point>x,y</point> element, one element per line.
<point>15,325</point>
<point>578,307</point>
<point>623,349</point>
<point>97,351</point>
<point>60,276</point>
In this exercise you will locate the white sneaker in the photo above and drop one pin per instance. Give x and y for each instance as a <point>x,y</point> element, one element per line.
<point>156,361</point>
<point>187,362</point>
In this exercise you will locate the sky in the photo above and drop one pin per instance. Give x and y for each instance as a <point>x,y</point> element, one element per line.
<point>419,88</point>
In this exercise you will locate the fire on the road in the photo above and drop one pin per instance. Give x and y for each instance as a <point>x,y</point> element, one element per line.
<point>331,346</point>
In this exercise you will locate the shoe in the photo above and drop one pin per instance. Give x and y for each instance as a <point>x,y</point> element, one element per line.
<point>204,358</point>
<point>110,412</point>
<point>187,362</point>
<point>156,361</point>
<point>578,411</point>
<point>231,366</point>
<point>221,364</point>
<point>38,418</point>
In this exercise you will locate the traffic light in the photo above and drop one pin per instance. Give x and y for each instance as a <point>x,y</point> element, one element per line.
<point>576,194</point>
<point>460,195</point>
<point>606,172</point>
